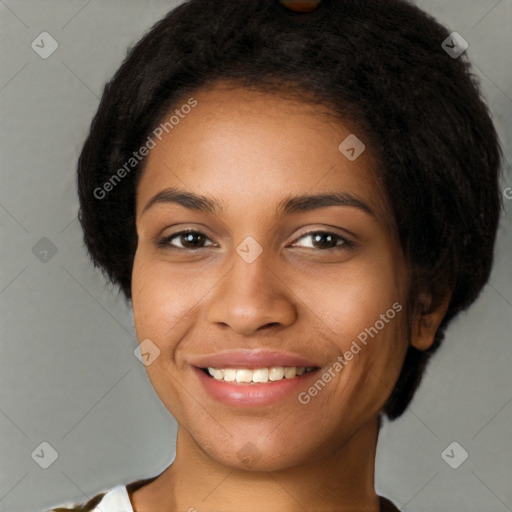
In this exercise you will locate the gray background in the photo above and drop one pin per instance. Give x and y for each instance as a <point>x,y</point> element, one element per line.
<point>68,373</point>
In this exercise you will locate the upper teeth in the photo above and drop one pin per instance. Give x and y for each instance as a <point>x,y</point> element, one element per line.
<point>258,375</point>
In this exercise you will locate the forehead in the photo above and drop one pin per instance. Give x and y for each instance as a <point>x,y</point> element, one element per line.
<point>248,148</point>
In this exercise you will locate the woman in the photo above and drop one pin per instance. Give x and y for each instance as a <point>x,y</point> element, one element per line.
<point>297,198</point>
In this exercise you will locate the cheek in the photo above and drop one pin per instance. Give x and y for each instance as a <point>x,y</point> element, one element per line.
<point>377,346</point>
<point>167,299</point>
<point>159,298</point>
<point>362,316</point>
<point>354,298</point>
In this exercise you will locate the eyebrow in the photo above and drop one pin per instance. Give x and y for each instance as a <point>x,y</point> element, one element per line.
<point>186,199</point>
<point>287,206</point>
<point>297,204</point>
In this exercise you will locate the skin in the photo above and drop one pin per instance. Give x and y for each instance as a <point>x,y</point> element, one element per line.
<point>249,151</point>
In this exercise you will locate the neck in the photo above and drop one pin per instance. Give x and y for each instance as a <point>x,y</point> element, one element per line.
<point>342,482</point>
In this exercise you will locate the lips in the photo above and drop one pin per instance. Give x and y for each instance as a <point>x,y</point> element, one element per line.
<point>231,384</point>
<point>252,360</point>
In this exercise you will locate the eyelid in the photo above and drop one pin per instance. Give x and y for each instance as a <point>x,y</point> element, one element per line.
<point>183,227</point>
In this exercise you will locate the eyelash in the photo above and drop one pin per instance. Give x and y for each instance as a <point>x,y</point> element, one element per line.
<point>165,243</point>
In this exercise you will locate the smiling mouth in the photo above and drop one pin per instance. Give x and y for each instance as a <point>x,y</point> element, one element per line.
<point>258,375</point>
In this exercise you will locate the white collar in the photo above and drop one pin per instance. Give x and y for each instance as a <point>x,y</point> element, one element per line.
<point>116,500</point>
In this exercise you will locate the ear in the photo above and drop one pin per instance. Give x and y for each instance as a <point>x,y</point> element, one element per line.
<point>427,319</point>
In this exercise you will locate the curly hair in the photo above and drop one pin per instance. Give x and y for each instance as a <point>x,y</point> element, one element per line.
<point>378,64</point>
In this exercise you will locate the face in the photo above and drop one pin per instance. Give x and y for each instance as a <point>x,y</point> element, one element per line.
<point>266,254</point>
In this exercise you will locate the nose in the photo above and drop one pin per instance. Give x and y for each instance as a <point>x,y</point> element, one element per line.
<point>251,297</point>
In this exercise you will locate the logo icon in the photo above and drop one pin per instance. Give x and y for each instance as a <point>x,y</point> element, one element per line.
<point>249,250</point>
<point>454,455</point>
<point>454,45</point>
<point>248,454</point>
<point>44,250</point>
<point>146,352</point>
<point>45,455</point>
<point>352,147</point>
<point>44,45</point>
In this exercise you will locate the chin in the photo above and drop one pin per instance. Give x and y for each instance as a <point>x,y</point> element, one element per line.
<point>264,453</point>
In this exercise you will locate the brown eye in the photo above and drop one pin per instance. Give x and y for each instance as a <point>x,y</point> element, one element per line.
<point>185,240</point>
<point>325,240</point>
